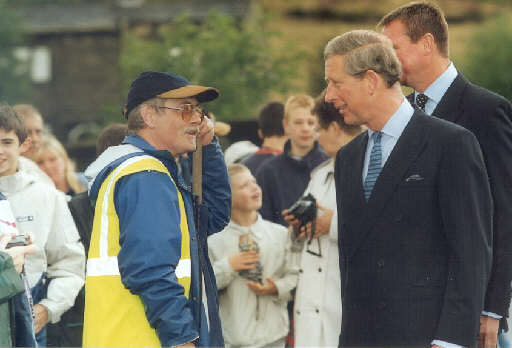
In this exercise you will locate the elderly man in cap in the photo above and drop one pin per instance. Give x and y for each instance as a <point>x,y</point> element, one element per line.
<point>149,281</point>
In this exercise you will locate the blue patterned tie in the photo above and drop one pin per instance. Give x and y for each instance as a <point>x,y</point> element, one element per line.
<point>375,165</point>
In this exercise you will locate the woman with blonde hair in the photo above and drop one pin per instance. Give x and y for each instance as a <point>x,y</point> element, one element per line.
<point>53,159</point>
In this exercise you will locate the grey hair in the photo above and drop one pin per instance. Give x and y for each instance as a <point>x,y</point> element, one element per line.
<point>366,50</point>
<point>135,119</point>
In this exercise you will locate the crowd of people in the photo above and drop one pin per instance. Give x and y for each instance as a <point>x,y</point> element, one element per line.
<point>366,218</point>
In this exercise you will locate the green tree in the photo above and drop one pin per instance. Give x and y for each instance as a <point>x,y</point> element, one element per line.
<point>489,55</point>
<point>14,81</point>
<point>237,58</point>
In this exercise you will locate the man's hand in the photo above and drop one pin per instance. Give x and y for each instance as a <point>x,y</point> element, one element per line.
<point>41,314</point>
<point>263,289</point>
<point>17,253</point>
<point>206,131</point>
<point>290,219</point>
<point>488,335</point>
<point>323,222</point>
<point>244,260</point>
<point>293,222</point>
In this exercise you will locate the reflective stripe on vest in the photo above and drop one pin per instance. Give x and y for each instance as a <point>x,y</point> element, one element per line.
<point>105,293</point>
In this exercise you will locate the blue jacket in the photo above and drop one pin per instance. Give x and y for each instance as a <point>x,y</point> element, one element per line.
<point>141,201</point>
<point>284,179</point>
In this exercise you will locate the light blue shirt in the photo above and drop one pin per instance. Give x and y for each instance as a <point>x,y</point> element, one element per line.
<point>390,134</point>
<point>438,88</point>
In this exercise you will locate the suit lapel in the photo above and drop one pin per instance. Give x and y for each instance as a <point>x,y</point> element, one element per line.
<point>450,107</point>
<point>409,146</point>
<point>354,162</point>
<point>410,98</point>
<point>356,178</point>
<point>350,196</point>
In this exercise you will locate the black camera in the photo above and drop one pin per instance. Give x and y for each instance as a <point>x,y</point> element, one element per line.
<point>19,240</point>
<point>304,209</point>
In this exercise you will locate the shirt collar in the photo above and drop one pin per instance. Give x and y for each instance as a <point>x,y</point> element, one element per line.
<point>438,88</point>
<point>398,121</point>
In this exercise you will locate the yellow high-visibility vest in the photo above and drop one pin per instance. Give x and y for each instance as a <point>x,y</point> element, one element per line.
<point>113,316</point>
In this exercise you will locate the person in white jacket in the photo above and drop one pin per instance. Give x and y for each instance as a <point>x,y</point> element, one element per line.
<point>41,210</point>
<point>250,258</point>
<point>317,310</point>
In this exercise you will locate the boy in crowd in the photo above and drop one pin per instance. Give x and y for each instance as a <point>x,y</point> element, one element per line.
<point>284,178</point>
<point>41,209</point>
<point>271,133</point>
<point>250,259</point>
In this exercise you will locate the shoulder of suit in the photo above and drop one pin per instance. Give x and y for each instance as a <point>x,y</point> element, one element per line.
<point>480,96</point>
<point>438,128</point>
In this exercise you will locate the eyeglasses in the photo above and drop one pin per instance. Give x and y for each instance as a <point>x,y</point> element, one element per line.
<point>187,111</point>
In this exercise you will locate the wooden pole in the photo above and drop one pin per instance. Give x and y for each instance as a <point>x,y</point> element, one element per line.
<point>197,171</point>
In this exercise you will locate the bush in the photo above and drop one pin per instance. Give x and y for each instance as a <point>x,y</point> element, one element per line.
<point>236,58</point>
<point>489,55</point>
<point>14,80</point>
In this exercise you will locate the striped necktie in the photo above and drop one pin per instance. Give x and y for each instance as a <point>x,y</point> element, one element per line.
<point>375,165</point>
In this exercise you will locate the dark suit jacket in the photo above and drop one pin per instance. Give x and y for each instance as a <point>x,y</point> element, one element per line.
<point>415,258</point>
<point>489,117</point>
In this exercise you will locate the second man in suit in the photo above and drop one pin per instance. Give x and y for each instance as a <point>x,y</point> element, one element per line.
<point>414,209</point>
<point>419,33</point>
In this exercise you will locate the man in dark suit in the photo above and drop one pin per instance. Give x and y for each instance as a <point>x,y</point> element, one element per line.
<point>414,209</point>
<point>419,33</point>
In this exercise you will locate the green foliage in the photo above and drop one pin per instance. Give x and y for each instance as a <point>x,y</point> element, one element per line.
<point>238,59</point>
<point>14,83</point>
<point>489,55</point>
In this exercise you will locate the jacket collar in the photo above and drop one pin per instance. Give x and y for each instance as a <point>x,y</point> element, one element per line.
<point>14,183</point>
<point>451,106</point>
<point>142,144</point>
<point>309,159</point>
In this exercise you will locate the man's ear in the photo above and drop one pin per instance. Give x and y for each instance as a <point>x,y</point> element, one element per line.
<point>372,81</point>
<point>428,43</point>
<point>148,114</point>
<point>260,134</point>
<point>26,145</point>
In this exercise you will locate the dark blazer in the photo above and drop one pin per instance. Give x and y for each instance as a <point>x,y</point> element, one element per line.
<point>415,258</point>
<point>489,117</point>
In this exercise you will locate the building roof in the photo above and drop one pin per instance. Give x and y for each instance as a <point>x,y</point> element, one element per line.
<point>62,17</point>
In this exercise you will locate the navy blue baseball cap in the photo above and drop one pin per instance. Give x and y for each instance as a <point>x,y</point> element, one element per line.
<point>152,84</point>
